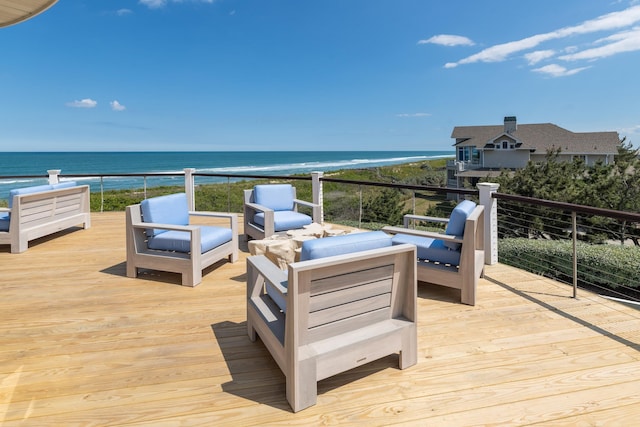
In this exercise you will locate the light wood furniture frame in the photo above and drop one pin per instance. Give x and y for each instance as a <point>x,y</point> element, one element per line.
<point>35,215</point>
<point>191,264</point>
<point>251,208</point>
<point>341,312</point>
<point>464,276</point>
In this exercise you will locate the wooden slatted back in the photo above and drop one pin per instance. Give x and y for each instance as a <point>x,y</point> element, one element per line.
<point>339,297</point>
<point>36,209</point>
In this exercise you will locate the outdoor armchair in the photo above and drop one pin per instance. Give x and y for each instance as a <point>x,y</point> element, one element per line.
<point>159,237</point>
<point>454,259</point>
<point>273,208</point>
<point>351,301</point>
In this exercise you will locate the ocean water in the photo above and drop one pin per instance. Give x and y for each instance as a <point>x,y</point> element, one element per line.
<point>18,169</point>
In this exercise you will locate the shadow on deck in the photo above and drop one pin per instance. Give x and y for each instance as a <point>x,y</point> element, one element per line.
<point>82,344</point>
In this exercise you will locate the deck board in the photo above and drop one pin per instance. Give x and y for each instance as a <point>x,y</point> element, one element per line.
<point>82,344</point>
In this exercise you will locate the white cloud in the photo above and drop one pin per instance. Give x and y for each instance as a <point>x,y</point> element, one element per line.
<point>123,12</point>
<point>500,52</point>
<point>413,115</point>
<point>156,4</point>
<point>83,103</point>
<point>116,106</point>
<point>153,4</point>
<point>448,40</point>
<point>627,41</point>
<point>555,70</point>
<point>539,55</point>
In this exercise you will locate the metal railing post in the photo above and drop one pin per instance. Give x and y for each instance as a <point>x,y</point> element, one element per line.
<point>228,194</point>
<point>413,201</point>
<point>360,207</point>
<point>101,193</point>
<point>490,221</point>
<point>574,229</point>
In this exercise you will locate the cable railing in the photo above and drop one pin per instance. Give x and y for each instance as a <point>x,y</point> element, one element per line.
<point>582,246</point>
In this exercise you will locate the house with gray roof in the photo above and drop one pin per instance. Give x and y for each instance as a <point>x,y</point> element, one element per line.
<point>483,151</point>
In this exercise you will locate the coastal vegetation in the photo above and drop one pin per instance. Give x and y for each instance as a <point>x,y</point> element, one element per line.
<point>342,202</point>
<point>535,238</point>
<point>532,237</point>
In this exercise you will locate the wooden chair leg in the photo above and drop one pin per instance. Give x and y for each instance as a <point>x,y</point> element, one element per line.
<point>302,385</point>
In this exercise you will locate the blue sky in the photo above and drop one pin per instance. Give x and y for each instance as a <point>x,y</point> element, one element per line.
<point>207,75</point>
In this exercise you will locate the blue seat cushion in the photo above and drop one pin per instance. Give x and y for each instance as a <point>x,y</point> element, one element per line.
<point>429,249</point>
<point>284,220</point>
<point>4,221</point>
<point>172,209</point>
<point>27,190</point>
<point>179,241</point>
<point>340,245</point>
<point>457,220</point>
<point>278,197</point>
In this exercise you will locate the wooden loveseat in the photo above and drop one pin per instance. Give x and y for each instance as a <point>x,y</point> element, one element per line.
<point>41,210</point>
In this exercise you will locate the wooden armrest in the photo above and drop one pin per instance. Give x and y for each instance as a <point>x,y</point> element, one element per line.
<point>214,214</point>
<point>410,217</point>
<point>173,227</point>
<point>314,207</point>
<point>422,233</point>
<point>232,217</point>
<point>4,209</point>
<point>258,207</point>
<point>269,272</point>
<point>305,203</point>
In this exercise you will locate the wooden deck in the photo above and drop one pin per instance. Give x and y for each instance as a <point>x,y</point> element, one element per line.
<point>81,344</point>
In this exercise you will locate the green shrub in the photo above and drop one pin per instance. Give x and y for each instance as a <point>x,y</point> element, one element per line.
<point>609,266</point>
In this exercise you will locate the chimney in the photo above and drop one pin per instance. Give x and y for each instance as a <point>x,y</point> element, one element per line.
<point>510,124</point>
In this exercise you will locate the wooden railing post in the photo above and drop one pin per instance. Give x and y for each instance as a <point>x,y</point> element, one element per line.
<point>53,176</point>
<point>316,189</point>
<point>490,221</point>
<point>189,188</point>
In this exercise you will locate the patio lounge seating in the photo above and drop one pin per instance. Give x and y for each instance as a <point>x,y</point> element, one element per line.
<point>159,237</point>
<point>41,210</point>
<point>273,208</point>
<point>455,258</point>
<point>350,301</point>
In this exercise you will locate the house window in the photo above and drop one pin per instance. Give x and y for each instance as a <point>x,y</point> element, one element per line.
<point>475,156</point>
<point>464,153</point>
<point>581,157</point>
<point>505,144</point>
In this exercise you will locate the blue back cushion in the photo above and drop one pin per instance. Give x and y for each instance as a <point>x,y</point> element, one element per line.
<point>457,220</point>
<point>278,197</point>
<point>340,245</point>
<point>172,209</point>
<point>27,190</point>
